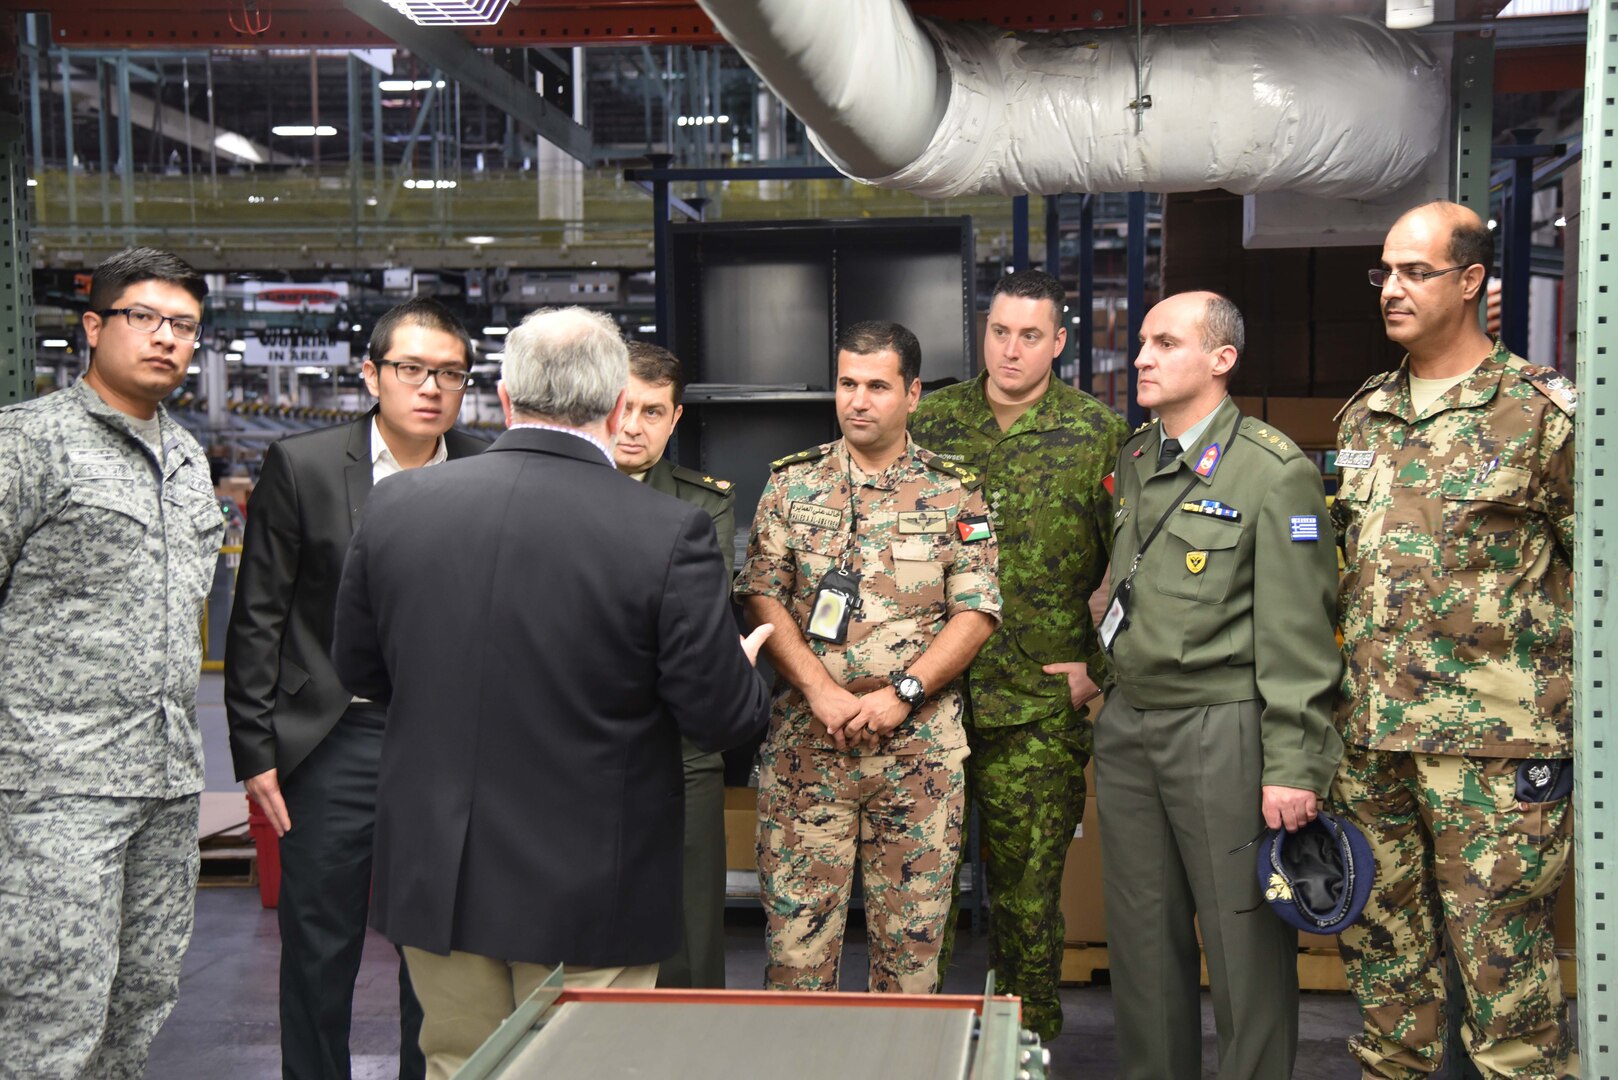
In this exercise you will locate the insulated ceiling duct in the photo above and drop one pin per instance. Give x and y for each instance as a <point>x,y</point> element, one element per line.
<point>1324,106</point>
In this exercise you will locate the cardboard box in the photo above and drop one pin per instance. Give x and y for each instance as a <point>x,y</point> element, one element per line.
<point>741,828</point>
<point>1082,908</point>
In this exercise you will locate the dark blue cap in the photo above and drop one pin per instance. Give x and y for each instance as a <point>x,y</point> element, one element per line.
<point>1319,877</point>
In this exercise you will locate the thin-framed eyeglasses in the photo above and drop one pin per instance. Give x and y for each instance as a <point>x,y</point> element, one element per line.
<point>183,327</point>
<point>413,374</point>
<point>1380,277</point>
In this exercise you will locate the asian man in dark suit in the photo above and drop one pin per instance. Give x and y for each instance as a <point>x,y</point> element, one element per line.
<point>307,749</point>
<point>545,630</point>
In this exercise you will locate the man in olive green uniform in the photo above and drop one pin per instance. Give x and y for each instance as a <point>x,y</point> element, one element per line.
<point>1455,511</point>
<point>651,409</point>
<point>1041,449</point>
<point>875,562</point>
<point>1218,715</point>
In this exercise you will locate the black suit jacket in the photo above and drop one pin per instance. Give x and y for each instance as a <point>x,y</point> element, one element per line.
<point>544,629</point>
<point>281,694</point>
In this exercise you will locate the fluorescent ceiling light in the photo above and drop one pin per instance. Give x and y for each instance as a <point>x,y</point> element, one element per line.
<point>32,182</point>
<point>480,239</point>
<point>646,328</point>
<point>54,343</point>
<point>494,356</point>
<point>428,185</point>
<point>310,370</point>
<point>238,345</point>
<point>451,12</point>
<point>193,370</point>
<point>294,131</point>
<point>496,331</point>
<point>404,86</point>
<point>233,356</point>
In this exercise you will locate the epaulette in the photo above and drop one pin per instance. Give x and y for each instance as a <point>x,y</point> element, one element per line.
<point>692,476</point>
<point>1365,388</point>
<point>1148,426</point>
<point>1276,442</point>
<point>1554,385</point>
<point>966,476</point>
<point>814,453</point>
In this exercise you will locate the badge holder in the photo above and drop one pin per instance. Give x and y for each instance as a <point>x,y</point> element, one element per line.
<point>837,597</point>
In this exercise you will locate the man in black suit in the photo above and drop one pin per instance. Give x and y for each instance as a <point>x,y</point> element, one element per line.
<point>544,630</point>
<point>307,749</point>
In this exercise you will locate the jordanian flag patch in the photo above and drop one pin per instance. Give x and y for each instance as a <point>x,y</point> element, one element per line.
<point>973,529</point>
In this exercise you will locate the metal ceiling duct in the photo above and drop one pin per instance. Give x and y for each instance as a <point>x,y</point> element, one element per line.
<point>1326,106</point>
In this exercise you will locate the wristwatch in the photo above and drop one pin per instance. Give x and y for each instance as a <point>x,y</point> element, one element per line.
<point>909,688</point>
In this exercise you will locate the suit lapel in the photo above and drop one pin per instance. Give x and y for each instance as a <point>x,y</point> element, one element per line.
<point>357,473</point>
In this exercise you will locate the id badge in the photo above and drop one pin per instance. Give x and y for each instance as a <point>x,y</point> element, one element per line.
<point>1117,616</point>
<point>836,599</point>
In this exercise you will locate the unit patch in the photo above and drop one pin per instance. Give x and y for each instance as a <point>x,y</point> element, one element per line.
<point>922,521</point>
<point>1196,561</point>
<point>973,529</point>
<point>1305,527</point>
<point>1210,458</point>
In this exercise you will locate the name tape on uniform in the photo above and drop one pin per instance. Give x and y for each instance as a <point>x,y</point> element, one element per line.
<point>1355,459</point>
<point>1305,527</point>
<point>814,514</point>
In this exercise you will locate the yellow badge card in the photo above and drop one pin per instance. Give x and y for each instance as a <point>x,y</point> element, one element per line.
<point>808,513</point>
<point>1195,561</point>
<point>922,521</point>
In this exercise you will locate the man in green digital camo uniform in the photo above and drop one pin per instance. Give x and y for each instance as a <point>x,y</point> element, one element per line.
<point>1218,717</point>
<point>1455,512</point>
<point>1041,449</point>
<point>875,562</point>
<point>651,410</point>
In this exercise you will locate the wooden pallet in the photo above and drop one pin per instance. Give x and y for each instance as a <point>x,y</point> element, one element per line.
<point>228,854</point>
<point>234,866</point>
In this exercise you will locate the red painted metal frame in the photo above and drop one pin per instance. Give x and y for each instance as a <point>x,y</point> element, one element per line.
<point>306,23</point>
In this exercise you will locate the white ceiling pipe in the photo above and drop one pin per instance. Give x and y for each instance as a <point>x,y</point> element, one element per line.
<point>1326,106</point>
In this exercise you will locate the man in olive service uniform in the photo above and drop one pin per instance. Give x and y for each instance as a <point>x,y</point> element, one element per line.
<point>651,409</point>
<point>1218,717</point>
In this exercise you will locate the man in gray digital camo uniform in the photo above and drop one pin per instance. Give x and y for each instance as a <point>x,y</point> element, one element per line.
<point>109,534</point>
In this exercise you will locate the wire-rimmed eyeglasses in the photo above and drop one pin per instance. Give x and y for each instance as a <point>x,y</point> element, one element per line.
<point>1380,277</point>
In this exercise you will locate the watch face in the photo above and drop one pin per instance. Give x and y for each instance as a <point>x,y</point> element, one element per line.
<point>910,689</point>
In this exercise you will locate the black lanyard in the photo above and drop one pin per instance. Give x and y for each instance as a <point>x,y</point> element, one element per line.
<point>853,517</point>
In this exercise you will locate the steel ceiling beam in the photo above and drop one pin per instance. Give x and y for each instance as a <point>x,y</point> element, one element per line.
<point>454,56</point>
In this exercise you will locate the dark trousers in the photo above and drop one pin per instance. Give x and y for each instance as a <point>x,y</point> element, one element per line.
<point>325,898</point>
<point>700,963</point>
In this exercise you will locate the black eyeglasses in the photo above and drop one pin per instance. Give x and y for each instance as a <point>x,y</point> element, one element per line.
<point>146,321</point>
<point>413,374</point>
<point>1380,277</point>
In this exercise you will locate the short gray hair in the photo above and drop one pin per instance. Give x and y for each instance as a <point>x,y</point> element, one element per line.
<point>1222,325</point>
<point>565,364</point>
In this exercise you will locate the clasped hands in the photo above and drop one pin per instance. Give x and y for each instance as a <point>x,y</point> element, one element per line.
<point>857,719</point>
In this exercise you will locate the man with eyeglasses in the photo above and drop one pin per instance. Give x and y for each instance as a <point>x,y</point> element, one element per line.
<point>306,749</point>
<point>109,535</point>
<point>1455,514</point>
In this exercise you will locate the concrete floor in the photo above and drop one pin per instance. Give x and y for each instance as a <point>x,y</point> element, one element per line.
<point>225,1025</point>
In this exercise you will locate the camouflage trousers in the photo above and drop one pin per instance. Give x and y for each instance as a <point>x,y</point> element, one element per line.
<point>97,896</point>
<point>900,816</point>
<point>1456,860</point>
<point>1028,783</point>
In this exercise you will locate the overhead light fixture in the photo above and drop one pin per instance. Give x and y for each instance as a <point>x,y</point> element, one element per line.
<point>238,345</point>
<point>239,147</point>
<point>480,239</point>
<point>451,12</point>
<point>428,185</point>
<point>646,328</point>
<point>724,119</point>
<point>496,331</point>
<point>194,369</point>
<point>1492,223</point>
<point>235,356</point>
<point>54,343</point>
<point>1560,222</point>
<point>494,356</point>
<point>294,131</point>
<point>404,86</point>
<point>32,182</point>
<point>355,327</point>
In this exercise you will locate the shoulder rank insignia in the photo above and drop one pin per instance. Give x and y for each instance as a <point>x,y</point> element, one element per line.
<point>1272,440</point>
<point>814,453</point>
<point>701,479</point>
<point>967,476</point>
<point>1556,386</point>
<point>1365,388</point>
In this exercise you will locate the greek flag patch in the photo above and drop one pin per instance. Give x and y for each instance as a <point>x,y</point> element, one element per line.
<point>1305,527</point>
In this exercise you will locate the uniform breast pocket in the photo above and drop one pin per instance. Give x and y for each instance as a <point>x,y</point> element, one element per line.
<point>918,572</point>
<point>114,518</point>
<point>816,552</point>
<point>1201,557</point>
<point>1484,510</point>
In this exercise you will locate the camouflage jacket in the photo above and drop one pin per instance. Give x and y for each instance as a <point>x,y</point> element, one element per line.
<point>106,560</point>
<point>1457,533</point>
<point>1053,517</point>
<point>915,570</point>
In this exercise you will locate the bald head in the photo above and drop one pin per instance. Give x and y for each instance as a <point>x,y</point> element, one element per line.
<point>1465,239</point>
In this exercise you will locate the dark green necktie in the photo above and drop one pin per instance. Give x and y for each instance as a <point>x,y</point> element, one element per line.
<point>1168,452</point>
